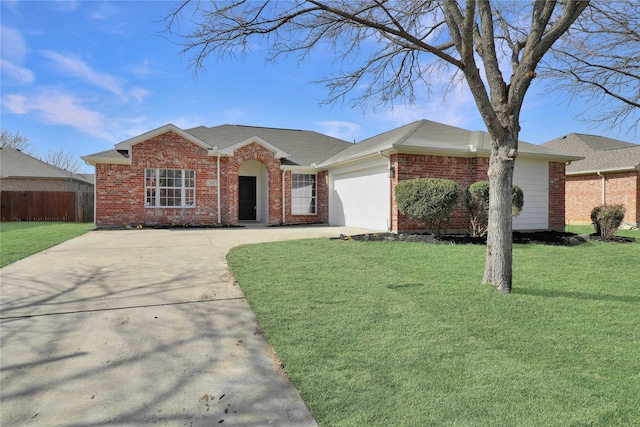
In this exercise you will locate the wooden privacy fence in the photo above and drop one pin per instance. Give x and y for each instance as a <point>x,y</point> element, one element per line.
<point>69,206</point>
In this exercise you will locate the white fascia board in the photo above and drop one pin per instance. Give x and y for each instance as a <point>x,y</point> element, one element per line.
<point>299,169</point>
<point>609,170</point>
<point>91,160</point>
<point>355,158</point>
<point>278,153</point>
<point>126,145</point>
<point>550,157</point>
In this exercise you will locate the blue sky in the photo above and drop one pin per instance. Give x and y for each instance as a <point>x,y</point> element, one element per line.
<point>85,75</point>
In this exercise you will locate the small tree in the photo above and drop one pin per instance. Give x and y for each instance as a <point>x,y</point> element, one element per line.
<point>606,219</point>
<point>476,199</point>
<point>428,200</point>
<point>15,140</point>
<point>62,159</point>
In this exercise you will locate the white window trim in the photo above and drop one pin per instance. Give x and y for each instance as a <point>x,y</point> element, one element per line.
<point>157,188</point>
<point>314,196</point>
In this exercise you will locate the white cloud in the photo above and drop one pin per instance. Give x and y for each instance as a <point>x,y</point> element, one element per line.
<point>14,47</point>
<point>14,51</point>
<point>15,103</point>
<point>60,109</point>
<point>347,131</point>
<point>78,68</point>
<point>139,94</point>
<point>16,72</point>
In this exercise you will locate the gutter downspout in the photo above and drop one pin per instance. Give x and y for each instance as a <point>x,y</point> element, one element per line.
<point>604,187</point>
<point>283,198</point>
<point>218,181</point>
<point>95,196</point>
<point>390,202</point>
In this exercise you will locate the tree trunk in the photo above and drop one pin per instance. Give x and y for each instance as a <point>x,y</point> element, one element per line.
<point>498,266</point>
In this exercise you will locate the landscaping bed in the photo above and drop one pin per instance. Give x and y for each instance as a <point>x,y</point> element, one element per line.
<point>555,238</point>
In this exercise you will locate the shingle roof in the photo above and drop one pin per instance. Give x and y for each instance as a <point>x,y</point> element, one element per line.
<point>304,147</point>
<point>16,164</point>
<point>109,156</point>
<point>437,138</point>
<point>601,154</point>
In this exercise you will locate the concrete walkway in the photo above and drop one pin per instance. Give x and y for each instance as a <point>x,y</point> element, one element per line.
<point>141,327</point>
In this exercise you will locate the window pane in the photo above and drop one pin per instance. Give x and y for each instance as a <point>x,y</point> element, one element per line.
<point>166,188</point>
<point>303,194</point>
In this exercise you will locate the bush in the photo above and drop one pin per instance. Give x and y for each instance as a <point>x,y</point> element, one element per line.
<point>606,219</point>
<point>476,199</point>
<point>428,200</point>
<point>517,200</point>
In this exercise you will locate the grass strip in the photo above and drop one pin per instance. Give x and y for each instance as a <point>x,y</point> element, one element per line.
<point>21,239</point>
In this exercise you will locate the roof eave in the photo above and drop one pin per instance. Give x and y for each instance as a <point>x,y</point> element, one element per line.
<point>91,160</point>
<point>605,170</point>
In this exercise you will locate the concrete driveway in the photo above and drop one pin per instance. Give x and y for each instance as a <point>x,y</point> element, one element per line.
<point>141,327</point>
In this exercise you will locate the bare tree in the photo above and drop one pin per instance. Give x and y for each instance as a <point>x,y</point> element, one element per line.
<point>15,140</point>
<point>405,43</point>
<point>599,61</point>
<point>63,160</point>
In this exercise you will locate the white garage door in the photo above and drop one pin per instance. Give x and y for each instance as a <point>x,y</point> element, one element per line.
<point>360,199</point>
<point>533,177</point>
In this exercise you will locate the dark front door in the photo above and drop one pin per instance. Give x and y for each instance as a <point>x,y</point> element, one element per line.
<point>247,197</point>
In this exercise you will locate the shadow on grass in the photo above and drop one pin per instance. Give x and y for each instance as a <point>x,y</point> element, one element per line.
<point>577,295</point>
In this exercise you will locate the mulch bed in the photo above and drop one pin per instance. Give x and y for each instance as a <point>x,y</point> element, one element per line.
<point>554,238</point>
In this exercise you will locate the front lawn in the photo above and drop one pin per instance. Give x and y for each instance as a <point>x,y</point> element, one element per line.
<point>402,334</point>
<point>21,239</point>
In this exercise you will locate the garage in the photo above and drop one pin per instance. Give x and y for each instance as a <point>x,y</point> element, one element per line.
<point>360,198</point>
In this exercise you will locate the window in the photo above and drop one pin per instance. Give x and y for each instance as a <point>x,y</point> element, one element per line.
<point>303,194</point>
<point>172,188</point>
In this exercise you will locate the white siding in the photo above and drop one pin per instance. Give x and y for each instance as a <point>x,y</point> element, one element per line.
<point>360,198</point>
<point>533,177</point>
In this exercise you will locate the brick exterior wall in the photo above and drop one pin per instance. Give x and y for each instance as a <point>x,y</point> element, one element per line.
<point>120,193</point>
<point>464,171</point>
<point>322,201</point>
<point>556,196</point>
<point>120,189</point>
<point>584,192</point>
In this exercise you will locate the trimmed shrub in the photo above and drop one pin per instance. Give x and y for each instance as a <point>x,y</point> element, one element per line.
<point>428,200</point>
<point>517,201</point>
<point>476,199</point>
<point>606,219</point>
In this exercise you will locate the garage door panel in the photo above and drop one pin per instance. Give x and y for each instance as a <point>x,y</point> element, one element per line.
<point>361,199</point>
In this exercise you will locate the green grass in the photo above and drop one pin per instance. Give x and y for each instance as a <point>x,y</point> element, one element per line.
<point>588,229</point>
<point>21,239</point>
<point>402,334</point>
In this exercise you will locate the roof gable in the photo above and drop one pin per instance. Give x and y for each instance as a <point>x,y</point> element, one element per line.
<point>126,145</point>
<point>278,153</point>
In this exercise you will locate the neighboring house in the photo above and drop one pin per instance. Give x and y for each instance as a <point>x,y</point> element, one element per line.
<point>226,174</point>
<point>21,172</point>
<point>609,173</point>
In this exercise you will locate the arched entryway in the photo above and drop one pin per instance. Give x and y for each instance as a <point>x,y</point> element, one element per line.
<point>253,192</point>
